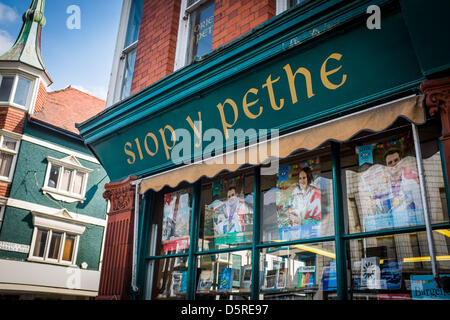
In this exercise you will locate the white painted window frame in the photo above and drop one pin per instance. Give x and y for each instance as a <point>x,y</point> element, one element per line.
<point>12,136</point>
<point>184,25</point>
<point>57,192</point>
<point>2,214</point>
<point>120,53</point>
<point>45,258</point>
<point>31,90</point>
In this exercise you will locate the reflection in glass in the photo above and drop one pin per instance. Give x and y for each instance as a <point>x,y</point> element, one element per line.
<point>169,279</point>
<point>6,83</point>
<point>397,267</point>
<point>224,276</point>
<point>383,187</point>
<point>39,244</point>
<point>22,91</point>
<point>303,272</point>
<point>175,221</point>
<point>227,213</point>
<point>297,202</point>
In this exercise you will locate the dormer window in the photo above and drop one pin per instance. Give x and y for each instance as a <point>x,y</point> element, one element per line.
<point>15,90</point>
<point>66,179</point>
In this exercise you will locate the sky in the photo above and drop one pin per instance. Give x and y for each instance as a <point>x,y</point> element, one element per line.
<point>77,52</point>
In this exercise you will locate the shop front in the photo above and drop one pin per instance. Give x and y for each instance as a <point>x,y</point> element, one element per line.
<point>306,160</point>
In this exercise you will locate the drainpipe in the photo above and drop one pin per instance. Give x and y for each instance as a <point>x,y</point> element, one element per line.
<point>134,286</point>
<point>426,213</point>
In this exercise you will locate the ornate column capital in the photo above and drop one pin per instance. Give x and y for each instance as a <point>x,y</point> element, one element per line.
<point>437,94</point>
<point>437,100</point>
<point>121,195</point>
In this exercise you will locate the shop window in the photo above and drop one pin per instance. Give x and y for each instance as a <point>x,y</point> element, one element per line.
<point>173,211</point>
<point>66,179</point>
<point>298,199</point>
<point>53,246</point>
<point>382,181</point>
<point>9,148</point>
<point>397,267</point>
<point>15,90</point>
<point>195,32</point>
<point>304,271</point>
<point>225,276</point>
<point>169,278</point>
<point>226,217</point>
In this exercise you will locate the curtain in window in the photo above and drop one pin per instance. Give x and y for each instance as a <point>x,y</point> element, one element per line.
<point>54,245</point>
<point>68,248</point>
<point>5,164</point>
<point>65,182</point>
<point>78,183</point>
<point>39,246</point>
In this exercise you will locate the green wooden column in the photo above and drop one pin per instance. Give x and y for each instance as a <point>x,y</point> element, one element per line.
<point>143,239</point>
<point>193,243</point>
<point>256,233</point>
<point>339,229</point>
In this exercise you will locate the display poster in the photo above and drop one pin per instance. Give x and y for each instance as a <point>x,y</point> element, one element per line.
<point>424,288</point>
<point>305,276</point>
<point>370,273</point>
<point>179,283</point>
<point>176,215</point>
<point>298,201</point>
<point>246,276</point>
<point>231,214</point>
<point>205,281</point>
<point>391,275</point>
<point>329,280</point>
<point>226,279</point>
<point>389,190</point>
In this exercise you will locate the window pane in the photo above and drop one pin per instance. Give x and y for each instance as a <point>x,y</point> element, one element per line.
<point>78,183</point>
<point>169,279</point>
<point>226,217</point>
<point>201,30</point>
<point>128,74</point>
<point>134,22</point>
<point>22,91</point>
<point>65,181</point>
<point>9,143</point>
<point>174,218</point>
<point>39,245</point>
<point>382,182</point>
<point>68,247</point>
<point>298,200</point>
<point>5,87</point>
<point>224,275</point>
<point>55,243</point>
<point>299,272</point>
<point>53,178</point>
<point>398,267</point>
<point>5,163</point>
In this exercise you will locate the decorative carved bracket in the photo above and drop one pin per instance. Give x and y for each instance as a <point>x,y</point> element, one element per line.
<point>121,195</point>
<point>437,100</point>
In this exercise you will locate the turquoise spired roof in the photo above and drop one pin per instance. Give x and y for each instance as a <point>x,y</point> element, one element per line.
<point>27,48</point>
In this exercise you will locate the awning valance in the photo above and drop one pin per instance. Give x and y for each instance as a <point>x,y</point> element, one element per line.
<point>342,129</point>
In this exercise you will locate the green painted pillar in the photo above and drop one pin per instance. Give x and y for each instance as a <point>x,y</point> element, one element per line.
<point>256,233</point>
<point>339,226</point>
<point>193,243</point>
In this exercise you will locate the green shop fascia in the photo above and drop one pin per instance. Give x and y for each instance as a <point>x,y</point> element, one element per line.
<point>336,103</point>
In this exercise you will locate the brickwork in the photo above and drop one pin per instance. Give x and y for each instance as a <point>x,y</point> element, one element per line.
<point>40,100</point>
<point>155,55</point>
<point>12,119</point>
<point>233,18</point>
<point>4,189</point>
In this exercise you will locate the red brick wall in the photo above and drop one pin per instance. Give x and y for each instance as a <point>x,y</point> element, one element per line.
<point>12,119</point>
<point>233,18</point>
<point>40,100</point>
<point>155,55</point>
<point>4,189</point>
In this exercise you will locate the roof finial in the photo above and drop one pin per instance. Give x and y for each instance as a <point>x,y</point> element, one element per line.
<point>27,48</point>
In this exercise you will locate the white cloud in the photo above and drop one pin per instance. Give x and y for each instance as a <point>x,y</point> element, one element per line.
<point>8,14</point>
<point>6,41</point>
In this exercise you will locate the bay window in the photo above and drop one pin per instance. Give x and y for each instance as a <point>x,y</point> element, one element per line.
<point>15,90</point>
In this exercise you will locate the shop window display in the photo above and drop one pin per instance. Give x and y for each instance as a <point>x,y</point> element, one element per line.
<point>227,212</point>
<point>170,278</point>
<point>397,267</point>
<point>297,201</point>
<point>303,272</point>
<point>224,275</point>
